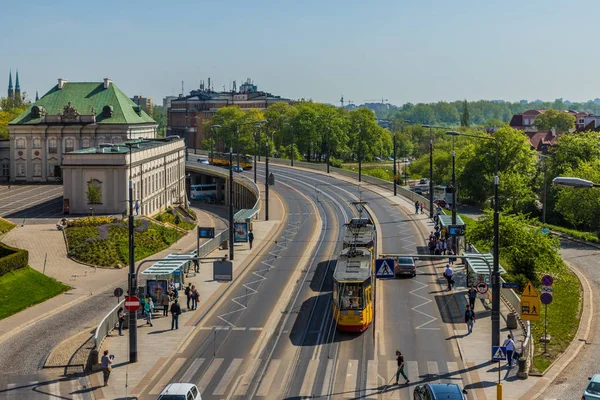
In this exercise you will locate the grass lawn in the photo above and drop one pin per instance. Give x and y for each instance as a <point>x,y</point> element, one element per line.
<point>563,319</point>
<point>5,226</point>
<point>25,287</point>
<point>107,245</point>
<point>169,217</point>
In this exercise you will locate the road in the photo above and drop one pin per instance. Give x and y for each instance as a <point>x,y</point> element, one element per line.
<point>31,203</point>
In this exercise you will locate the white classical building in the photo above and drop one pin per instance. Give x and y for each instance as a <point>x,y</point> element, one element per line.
<point>72,116</point>
<point>96,179</point>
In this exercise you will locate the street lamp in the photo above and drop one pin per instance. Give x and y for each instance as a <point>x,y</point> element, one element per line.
<point>267,179</point>
<point>395,170</point>
<point>496,265</point>
<point>359,154</point>
<point>578,183</point>
<point>544,156</point>
<point>231,230</point>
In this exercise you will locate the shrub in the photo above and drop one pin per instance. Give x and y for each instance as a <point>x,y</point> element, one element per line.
<point>12,258</point>
<point>91,221</point>
<point>5,226</point>
<point>334,162</point>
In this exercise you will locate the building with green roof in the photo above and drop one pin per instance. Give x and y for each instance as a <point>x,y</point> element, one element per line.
<point>70,117</point>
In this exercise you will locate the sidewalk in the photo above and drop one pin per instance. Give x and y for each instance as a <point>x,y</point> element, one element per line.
<point>158,344</point>
<point>46,244</point>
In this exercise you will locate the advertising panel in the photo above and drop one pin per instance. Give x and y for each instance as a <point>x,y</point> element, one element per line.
<point>240,232</point>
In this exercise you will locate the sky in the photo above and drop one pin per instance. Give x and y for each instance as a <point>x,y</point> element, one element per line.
<point>399,50</point>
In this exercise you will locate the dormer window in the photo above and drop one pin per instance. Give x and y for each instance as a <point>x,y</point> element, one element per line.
<point>37,112</point>
<point>107,111</point>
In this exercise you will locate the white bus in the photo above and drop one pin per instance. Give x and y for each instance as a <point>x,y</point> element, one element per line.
<point>206,192</point>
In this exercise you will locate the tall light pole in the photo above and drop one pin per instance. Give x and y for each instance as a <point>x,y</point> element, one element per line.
<point>231,230</point>
<point>328,146</point>
<point>267,179</point>
<point>453,133</point>
<point>544,156</point>
<point>257,132</point>
<point>359,154</point>
<point>132,284</point>
<point>292,149</point>
<point>496,263</point>
<point>430,169</point>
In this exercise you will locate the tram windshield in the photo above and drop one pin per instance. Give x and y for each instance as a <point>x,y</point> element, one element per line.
<point>350,295</point>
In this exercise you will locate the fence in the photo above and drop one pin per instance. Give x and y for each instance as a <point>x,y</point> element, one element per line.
<point>211,245</point>
<point>106,325</point>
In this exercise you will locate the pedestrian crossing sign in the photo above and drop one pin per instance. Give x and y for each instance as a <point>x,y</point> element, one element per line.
<point>384,268</point>
<point>498,353</point>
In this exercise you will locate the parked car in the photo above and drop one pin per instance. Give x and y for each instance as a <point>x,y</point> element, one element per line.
<point>405,160</point>
<point>436,391</point>
<point>423,181</point>
<point>390,158</point>
<point>405,266</point>
<point>377,158</point>
<point>592,391</point>
<point>237,168</point>
<point>180,391</point>
<point>203,161</point>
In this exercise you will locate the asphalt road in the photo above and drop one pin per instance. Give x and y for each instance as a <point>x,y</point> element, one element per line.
<point>32,204</point>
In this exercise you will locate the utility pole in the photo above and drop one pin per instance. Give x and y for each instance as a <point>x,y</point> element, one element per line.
<point>328,147</point>
<point>359,154</point>
<point>395,170</point>
<point>453,185</point>
<point>132,284</point>
<point>231,230</point>
<point>267,180</point>
<point>430,172</point>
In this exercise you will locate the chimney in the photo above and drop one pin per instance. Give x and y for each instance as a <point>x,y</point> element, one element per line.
<point>61,83</point>
<point>107,82</point>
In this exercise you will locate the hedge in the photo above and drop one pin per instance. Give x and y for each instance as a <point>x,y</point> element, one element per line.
<point>12,258</point>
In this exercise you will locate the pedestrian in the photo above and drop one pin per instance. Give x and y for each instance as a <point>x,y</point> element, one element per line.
<point>509,343</point>
<point>164,301</point>
<point>417,207</point>
<point>121,317</point>
<point>195,297</point>
<point>137,207</point>
<point>250,239</point>
<point>188,294</point>
<point>431,235</point>
<point>472,297</point>
<point>448,274</point>
<point>148,308</point>
<point>196,266</point>
<point>444,247</point>
<point>451,259</point>
<point>400,360</point>
<point>469,319</point>
<point>438,248</point>
<point>106,368</point>
<point>175,312</point>
<point>431,246</point>
<point>422,208</point>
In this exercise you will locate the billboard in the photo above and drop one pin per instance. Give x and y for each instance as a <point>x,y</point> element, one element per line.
<point>240,233</point>
<point>156,288</point>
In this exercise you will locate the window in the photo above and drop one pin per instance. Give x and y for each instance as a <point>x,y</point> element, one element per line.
<point>69,145</point>
<point>20,143</point>
<point>52,146</point>
<point>5,170</point>
<point>581,121</point>
<point>51,168</point>
<point>37,143</point>
<point>37,169</point>
<point>85,143</point>
<point>21,169</point>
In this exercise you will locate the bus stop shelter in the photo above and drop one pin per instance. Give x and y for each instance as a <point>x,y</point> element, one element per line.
<point>242,223</point>
<point>478,270</point>
<point>169,269</point>
<point>446,224</point>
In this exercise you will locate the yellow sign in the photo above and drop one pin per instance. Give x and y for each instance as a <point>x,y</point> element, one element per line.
<point>530,304</point>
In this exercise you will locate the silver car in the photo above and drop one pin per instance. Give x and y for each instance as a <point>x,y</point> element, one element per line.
<point>405,266</point>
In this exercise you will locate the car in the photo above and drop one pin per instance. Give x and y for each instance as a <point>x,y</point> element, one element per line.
<point>423,181</point>
<point>180,391</point>
<point>405,160</point>
<point>203,161</point>
<point>592,391</point>
<point>405,266</point>
<point>377,158</point>
<point>237,168</point>
<point>436,391</point>
<point>390,158</point>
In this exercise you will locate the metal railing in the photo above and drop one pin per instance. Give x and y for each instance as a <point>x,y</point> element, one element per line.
<point>211,245</point>
<point>106,325</point>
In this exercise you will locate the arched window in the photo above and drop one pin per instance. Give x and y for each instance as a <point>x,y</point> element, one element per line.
<point>52,146</point>
<point>69,145</point>
<point>20,143</point>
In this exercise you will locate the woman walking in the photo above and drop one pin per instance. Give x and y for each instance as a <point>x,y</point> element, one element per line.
<point>148,308</point>
<point>195,297</point>
<point>121,316</point>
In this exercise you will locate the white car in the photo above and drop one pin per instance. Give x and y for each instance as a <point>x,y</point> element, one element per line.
<point>180,391</point>
<point>203,161</point>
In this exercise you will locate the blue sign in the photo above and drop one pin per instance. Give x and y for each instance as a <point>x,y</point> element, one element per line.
<point>510,285</point>
<point>498,353</point>
<point>545,231</point>
<point>547,280</point>
<point>384,268</point>
<point>206,232</point>
<point>546,298</point>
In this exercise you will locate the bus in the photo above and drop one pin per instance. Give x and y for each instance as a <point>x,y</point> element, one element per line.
<point>222,159</point>
<point>442,196</point>
<point>206,192</point>
<point>352,300</point>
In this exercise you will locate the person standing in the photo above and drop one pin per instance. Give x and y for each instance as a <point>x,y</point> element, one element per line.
<point>106,368</point>
<point>448,274</point>
<point>509,343</point>
<point>188,294</point>
<point>472,297</point>
<point>195,297</point>
<point>400,360</point>
<point>121,317</point>
<point>250,239</point>
<point>164,302</point>
<point>137,207</point>
<point>469,319</point>
<point>422,208</point>
<point>175,312</point>
<point>417,207</point>
<point>148,308</point>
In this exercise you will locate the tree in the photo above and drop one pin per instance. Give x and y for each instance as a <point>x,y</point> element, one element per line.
<point>94,193</point>
<point>464,118</point>
<point>10,108</point>
<point>159,114</point>
<point>580,207</point>
<point>552,119</point>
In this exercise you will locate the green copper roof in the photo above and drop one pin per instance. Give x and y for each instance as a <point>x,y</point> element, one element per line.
<point>83,97</point>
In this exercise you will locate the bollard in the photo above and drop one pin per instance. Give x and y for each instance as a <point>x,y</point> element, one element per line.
<point>499,392</point>
<point>225,245</point>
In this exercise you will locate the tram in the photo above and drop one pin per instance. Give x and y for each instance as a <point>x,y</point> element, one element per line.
<point>352,291</point>
<point>222,159</point>
<point>360,232</point>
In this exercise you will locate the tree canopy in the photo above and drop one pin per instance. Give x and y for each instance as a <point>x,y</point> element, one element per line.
<point>10,108</point>
<point>553,119</point>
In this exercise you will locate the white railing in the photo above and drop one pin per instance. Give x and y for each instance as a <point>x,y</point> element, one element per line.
<point>106,325</point>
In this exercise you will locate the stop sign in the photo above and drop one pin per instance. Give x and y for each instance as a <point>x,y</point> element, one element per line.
<point>132,303</point>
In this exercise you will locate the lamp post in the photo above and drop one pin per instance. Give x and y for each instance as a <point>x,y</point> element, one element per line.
<point>267,179</point>
<point>430,168</point>
<point>544,156</point>
<point>359,154</point>
<point>292,150</point>
<point>328,146</point>
<point>132,281</point>
<point>453,133</point>
<point>258,126</point>
<point>496,265</point>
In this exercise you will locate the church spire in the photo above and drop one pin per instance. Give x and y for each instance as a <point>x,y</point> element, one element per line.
<point>10,85</point>
<point>17,86</point>
<point>36,96</point>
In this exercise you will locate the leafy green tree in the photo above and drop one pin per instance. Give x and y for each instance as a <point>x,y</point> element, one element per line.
<point>581,207</point>
<point>10,108</point>
<point>159,114</point>
<point>93,194</point>
<point>553,119</point>
<point>464,118</point>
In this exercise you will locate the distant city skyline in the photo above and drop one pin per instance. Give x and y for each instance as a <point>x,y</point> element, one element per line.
<point>397,50</point>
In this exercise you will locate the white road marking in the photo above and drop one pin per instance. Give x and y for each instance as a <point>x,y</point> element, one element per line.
<point>426,301</point>
<point>209,374</point>
<point>265,386</point>
<point>390,380</point>
<point>192,369</point>
<point>372,385</point>
<point>227,377</point>
<point>309,378</point>
<point>433,371</point>
<point>247,378</point>
<point>327,378</point>
<point>351,379</point>
<point>166,377</point>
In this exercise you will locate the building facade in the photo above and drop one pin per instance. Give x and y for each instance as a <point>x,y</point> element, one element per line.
<point>187,115</point>
<point>144,102</point>
<point>70,117</point>
<point>96,179</point>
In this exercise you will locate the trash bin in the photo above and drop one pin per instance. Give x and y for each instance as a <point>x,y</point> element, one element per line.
<point>511,320</point>
<point>225,245</point>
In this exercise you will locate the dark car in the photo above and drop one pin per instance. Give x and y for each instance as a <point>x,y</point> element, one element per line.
<point>437,391</point>
<point>237,168</point>
<point>405,265</point>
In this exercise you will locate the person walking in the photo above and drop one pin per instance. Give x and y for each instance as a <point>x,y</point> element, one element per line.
<point>148,308</point>
<point>106,368</point>
<point>121,317</point>
<point>451,259</point>
<point>164,302</point>
<point>469,319</point>
<point>195,297</point>
<point>431,246</point>
<point>175,313</point>
<point>472,297</point>
<point>422,208</point>
<point>417,206</point>
<point>188,294</point>
<point>137,207</point>
<point>250,239</point>
<point>448,274</point>
<point>400,360</point>
<point>509,343</point>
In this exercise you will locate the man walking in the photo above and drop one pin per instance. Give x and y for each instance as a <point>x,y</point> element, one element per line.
<point>510,349</point>
<point>469,319</point>
<point>148,308</point>
<point>250,239</point>
<point>417,207</point>
<point>188,294</point>
<point>137,207</point>
<point>400,360</point>
<point>448,274</point>
<point>175,312</point>
<point>106,368</point>
<point>422,208</point>
<point>164,302</point>
<point>472,297</point>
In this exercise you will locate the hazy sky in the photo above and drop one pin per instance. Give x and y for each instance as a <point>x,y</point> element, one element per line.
<point>417,51</point>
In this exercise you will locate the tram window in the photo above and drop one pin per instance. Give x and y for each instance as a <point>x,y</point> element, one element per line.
<point>352,296</point>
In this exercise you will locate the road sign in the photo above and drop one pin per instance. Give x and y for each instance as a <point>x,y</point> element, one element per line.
<point>384,268</point>
<point>510,285</point>
<point>546,298</point>
<point>545,231</point>
<point>132,303</point>
<point>547,289</point>
<point>482,287</point>
<point>530,304</point>
<point>547,280</point>
<point>205,232</point>
<point>222,270</point>
<point>498,353</point>
<point>457,230</point>
<point>118,292</point>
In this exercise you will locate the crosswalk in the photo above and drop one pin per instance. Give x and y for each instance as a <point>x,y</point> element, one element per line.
<point>51,389</point>
<point>232,378</point>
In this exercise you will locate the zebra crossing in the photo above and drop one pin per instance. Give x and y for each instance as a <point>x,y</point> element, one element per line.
<point>231,378</point>
<point>56,389</point>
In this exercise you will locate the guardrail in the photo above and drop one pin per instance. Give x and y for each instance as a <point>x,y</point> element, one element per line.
<point>106,325</point>
<point>211,245</point>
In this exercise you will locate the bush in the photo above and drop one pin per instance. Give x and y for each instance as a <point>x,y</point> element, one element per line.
<point>91,221</point>
<point>12,258</point>
<point>334,162</point>
<point>5,226</point>
<point>174,217</point>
